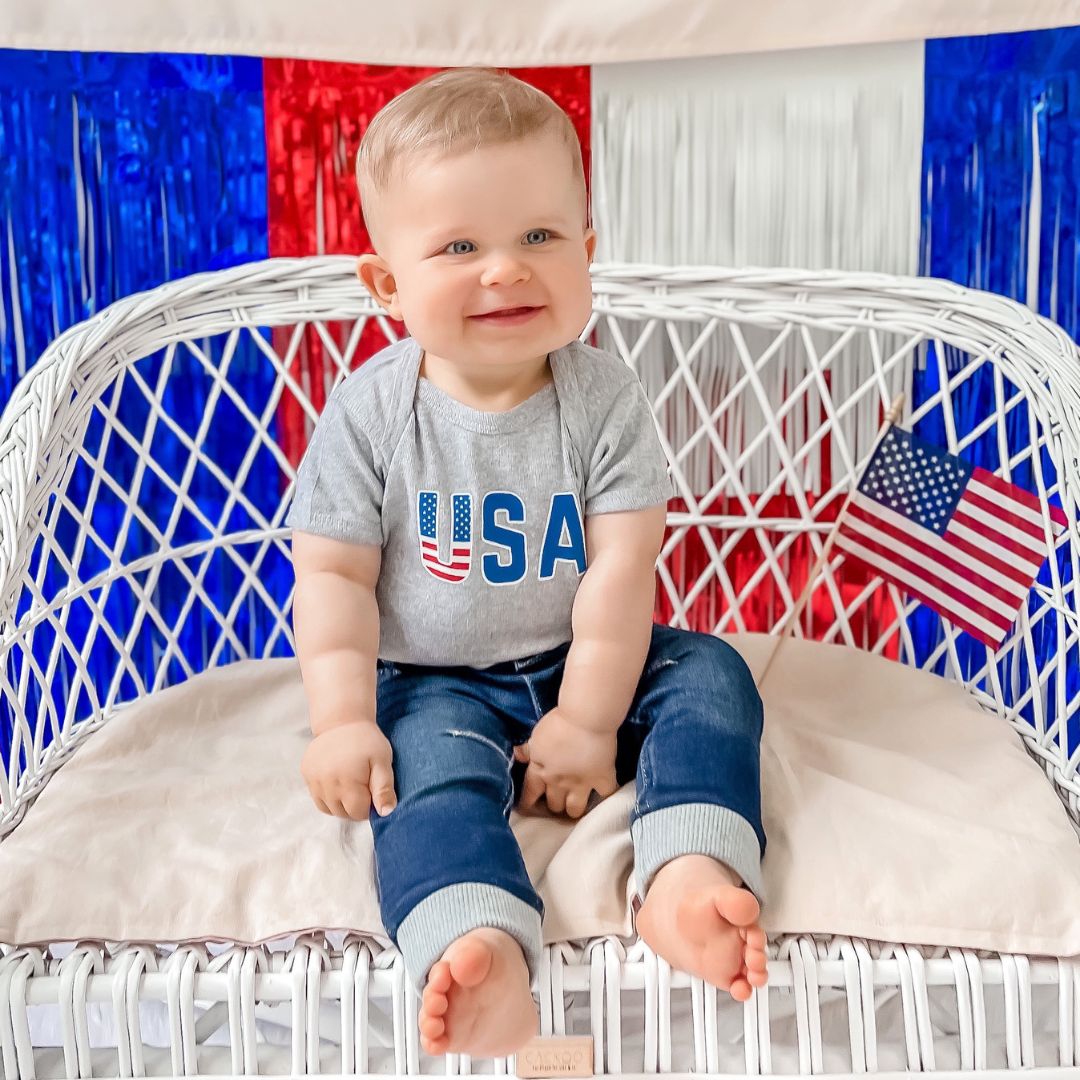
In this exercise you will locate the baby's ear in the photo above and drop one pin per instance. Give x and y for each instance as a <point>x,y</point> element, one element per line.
<point>376,276</point>
<point>590,244</point>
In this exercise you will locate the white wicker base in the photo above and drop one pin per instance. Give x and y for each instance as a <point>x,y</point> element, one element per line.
<point>834,1006</point>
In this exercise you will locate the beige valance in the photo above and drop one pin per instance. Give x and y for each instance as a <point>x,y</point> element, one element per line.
<point>508,33</point>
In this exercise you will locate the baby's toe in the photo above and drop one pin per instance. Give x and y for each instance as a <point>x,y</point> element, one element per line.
<point>432,1027</point>
<point>755,938</point>
<point>470,961</point>
<point>435,1047</point>
<point>755,962</point>
<point>439,979</point>
<point>436,1004</point>
<point>738,906</point>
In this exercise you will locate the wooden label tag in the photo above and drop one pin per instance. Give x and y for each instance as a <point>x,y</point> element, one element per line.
<point>556,1055</point>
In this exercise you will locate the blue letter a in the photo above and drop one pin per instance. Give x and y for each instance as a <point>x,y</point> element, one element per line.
<point>563,515</point>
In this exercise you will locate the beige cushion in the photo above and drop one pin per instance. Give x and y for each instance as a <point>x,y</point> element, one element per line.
<point>896,809</point>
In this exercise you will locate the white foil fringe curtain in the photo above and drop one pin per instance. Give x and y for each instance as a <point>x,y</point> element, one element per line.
<point>807,158</point>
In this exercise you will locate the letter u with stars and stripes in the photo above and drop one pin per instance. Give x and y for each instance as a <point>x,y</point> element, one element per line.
<point>460,562</point>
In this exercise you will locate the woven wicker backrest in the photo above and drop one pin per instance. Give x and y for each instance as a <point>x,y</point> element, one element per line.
<point>146,465</point>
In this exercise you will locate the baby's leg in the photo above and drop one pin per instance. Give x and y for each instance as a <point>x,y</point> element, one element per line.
<point>696,824</point>
<point>453,888</point>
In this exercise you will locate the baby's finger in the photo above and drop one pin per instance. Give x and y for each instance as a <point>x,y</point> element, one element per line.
<point>382,789</point>
<point>320,805</point>
<point>521,753</point>
<point>532,789</point>
<point>576,802</point>
<point>357,803</point>
<point>556,799</point>
<point>333,805</point>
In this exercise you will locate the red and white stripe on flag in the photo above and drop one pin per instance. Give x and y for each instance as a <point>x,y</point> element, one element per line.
<point>954,536</point>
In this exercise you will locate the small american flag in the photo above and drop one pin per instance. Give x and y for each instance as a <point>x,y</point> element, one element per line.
<point>457,569</point>
<point>954,536</point>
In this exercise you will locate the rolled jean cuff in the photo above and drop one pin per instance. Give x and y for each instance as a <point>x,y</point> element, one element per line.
<point>443,916</point>
<point>696,829</point>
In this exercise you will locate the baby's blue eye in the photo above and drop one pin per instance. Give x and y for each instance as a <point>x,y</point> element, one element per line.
<point>536,232</point>
<point>452,247</point>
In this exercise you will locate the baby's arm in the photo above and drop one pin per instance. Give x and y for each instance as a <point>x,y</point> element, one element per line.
<point>336,627</point>
<point>571,751</point>
<point>612,617</point>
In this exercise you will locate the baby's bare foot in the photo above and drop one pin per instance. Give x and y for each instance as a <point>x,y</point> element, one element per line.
<point>698,918</point>
<point>477,999</point>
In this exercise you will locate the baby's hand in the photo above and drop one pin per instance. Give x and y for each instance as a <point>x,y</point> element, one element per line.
<point>566,764</point>
<point>347,768</point>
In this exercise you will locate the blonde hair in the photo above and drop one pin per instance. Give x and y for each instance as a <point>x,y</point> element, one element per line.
<point>452,112</point>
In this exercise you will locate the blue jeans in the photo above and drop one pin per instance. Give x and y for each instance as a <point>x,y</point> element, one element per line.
<point>446,859</point>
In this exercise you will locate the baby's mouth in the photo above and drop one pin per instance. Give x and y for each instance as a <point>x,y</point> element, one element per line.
<point>507,315</point>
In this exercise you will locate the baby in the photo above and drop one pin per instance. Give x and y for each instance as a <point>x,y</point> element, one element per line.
<point>477,522</point>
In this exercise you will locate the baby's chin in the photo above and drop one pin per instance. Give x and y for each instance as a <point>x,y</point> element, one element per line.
<point>490,344</point>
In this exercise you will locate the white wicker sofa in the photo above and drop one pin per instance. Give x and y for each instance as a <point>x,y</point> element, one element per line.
<point>763,354</point>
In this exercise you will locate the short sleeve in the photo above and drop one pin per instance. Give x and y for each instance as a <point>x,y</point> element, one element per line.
<point>628,470</point>
<point>339,486</point>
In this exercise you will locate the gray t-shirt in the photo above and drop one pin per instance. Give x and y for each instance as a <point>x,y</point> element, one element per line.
<point>479,515</point>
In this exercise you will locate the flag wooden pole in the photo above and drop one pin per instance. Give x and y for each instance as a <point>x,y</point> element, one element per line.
<point>792,617</point>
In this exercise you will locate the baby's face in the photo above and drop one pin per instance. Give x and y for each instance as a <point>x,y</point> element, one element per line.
<point>496,228</point>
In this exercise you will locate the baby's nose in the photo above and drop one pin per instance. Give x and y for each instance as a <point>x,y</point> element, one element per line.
<point>504,270</point>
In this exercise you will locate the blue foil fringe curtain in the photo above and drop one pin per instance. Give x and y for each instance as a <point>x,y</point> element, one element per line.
<point>1001,129</point>
<point>117,173</point>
